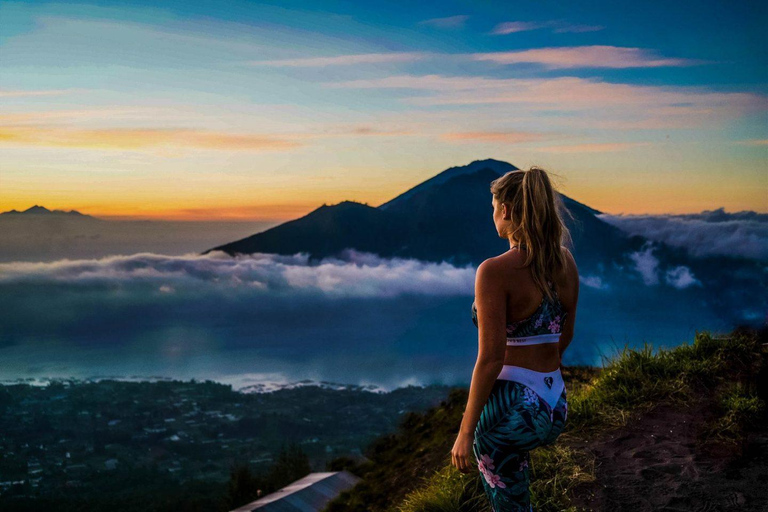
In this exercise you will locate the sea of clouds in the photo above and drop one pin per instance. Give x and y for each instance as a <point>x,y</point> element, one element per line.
<point>709,233</point>
<point>352,274</point>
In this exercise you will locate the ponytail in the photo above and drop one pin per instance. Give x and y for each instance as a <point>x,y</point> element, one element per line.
<point>537,221</point>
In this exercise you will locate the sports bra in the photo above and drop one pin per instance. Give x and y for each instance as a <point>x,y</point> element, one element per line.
<point>543,326</point>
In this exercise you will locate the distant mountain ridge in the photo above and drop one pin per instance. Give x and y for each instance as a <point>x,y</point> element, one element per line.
<point>445,218</point>
<point>42,210</point>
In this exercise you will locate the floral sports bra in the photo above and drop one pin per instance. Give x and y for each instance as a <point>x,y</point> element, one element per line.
<point>543,326</point>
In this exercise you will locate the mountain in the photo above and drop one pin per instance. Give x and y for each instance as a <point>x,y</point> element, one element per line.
<point>39,234</point>
<point>445,218</point>
<point>42,210</point>
<point>500,167</point>
<point>449,218</point>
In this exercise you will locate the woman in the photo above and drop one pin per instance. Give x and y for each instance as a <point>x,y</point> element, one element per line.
<point>525,308</point>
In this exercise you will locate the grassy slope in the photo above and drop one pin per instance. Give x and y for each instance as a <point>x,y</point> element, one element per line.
<point>410,471</point>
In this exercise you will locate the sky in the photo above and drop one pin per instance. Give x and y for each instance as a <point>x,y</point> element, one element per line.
<point>264,111</point>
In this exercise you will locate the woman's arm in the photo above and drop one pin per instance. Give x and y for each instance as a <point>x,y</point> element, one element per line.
<point>569,299</point>
<point>491,304</point>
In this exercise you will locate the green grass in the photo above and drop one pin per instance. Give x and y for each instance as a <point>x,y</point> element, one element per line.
<point>723,367</point>
<point>447,490</point>
<point>737,410</point>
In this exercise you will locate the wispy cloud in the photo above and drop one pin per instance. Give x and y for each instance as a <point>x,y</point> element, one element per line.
<point>81,115</point>
<point>483,136</point>
<point>449,22</point>
<point>510,27</point>
<point>594,282</point>
<point>557,26</point>
<point>596,56</point>
<point>753,142</point>
<point>646,264</point>
<point>591,147</point>
<point>681,277</point>
<point>140,139</point>
<point>344,60</point>
<point>365,131</point>
<point>52,92</point>
<point>570,94</point>
<point>578,28</point>
<point>567,57</point>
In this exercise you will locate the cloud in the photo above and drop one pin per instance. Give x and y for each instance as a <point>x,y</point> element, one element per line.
<point>483,136</point>
<point>137,139</point>
<point>692,105</point>
<point>753,142</point>
<point>566,57</point>
<point>591,147</point>
<point>709,233</point>
<point>449,22</point>
<point>681,277</point>
<point>344,60</point>
<point>593,282</point>
<point>25,93</point>
<point>83,115</point>
<point>596,56</point>
<point>356,317</point>
<point>24,130</point>
<point>558,27</point>
<point>646,264</point>
<point>353,274</point>
<point>578,28</point>
<point>510,27</point>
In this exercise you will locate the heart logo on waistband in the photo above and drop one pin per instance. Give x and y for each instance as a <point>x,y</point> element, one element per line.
<point>548,382</point>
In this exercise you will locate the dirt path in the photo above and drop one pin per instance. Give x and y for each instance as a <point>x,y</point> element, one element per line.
<point>655,463</point>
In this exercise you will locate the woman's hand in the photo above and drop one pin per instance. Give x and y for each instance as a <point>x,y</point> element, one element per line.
<point>462,455</point>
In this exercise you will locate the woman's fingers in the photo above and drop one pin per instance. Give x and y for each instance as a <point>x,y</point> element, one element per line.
<point>461,462</point>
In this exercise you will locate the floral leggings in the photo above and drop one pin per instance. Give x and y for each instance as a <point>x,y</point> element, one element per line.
<point>514,421</point>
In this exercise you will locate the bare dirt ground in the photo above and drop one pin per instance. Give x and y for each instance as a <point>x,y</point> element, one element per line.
<point>657,462</point>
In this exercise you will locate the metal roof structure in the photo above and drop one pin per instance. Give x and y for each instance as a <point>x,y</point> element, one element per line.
<point>309,494</point>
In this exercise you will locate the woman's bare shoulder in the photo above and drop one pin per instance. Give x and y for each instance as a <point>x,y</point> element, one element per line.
<point>571,275</point>
<point>571,267</point>
<point>492,266</point>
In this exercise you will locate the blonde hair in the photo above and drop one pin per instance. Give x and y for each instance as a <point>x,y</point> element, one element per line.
<point>537,221</point>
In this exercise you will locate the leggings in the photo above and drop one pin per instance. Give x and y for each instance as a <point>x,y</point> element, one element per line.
<point>516,419</point>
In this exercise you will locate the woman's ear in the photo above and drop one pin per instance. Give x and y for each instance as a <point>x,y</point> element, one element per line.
<point>506,211</point>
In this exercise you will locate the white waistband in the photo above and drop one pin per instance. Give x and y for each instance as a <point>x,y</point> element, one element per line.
<point>534,340</point>
<point>548,385</point>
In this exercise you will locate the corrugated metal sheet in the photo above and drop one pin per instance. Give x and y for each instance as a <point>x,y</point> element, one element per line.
<point>308,494</point>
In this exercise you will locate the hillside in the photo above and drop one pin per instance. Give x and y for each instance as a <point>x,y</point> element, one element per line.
<point>679,429</point>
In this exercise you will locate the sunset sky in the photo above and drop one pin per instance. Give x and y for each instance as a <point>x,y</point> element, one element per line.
<point>264,111</point>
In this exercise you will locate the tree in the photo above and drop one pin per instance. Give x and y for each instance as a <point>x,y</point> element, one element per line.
<point>243,487</point>
<point>292,463</point>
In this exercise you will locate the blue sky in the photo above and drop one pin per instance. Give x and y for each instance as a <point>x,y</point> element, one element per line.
<point>245,110</point>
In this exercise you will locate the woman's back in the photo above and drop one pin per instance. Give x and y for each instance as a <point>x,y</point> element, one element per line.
<point>532,317</point>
